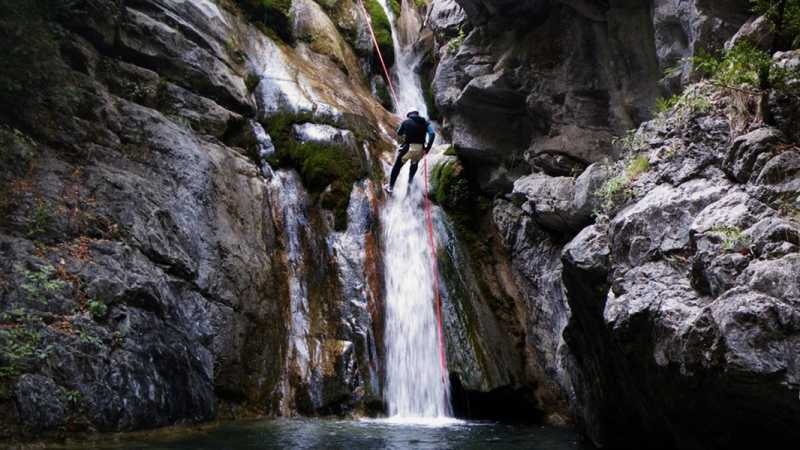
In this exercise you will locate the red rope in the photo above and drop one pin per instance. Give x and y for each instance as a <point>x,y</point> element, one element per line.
<point>378,50</point>
<point>432,243</point>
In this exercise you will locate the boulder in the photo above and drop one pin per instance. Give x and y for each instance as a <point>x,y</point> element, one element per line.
<point>757,31</point>
<point>749,153</point>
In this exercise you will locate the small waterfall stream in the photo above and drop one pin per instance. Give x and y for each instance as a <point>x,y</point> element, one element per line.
<point>415,388</point>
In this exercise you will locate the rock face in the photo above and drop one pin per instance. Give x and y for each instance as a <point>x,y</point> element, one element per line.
<point>154,269</point>
<point>658,325</point>
<point>672,298</point>
<point>542,81</point>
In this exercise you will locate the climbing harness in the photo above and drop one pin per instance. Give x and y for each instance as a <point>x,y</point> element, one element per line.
<point>378,51</point>
<point>427,203</point>
<point>432,243</point>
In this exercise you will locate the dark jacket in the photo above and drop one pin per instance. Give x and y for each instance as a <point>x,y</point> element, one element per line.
<point>415,129</point>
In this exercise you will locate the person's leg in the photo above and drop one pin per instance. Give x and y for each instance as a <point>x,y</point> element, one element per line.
<point>412,171</point>
<point>398,164</point>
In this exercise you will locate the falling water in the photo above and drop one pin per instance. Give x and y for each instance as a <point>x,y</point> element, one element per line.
<point>407,83</point>
<point>416,384</point>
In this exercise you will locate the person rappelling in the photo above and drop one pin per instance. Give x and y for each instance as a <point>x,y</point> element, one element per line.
<point>415,130</point>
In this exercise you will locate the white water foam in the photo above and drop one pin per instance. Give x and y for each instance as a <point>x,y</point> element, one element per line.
<point>416,385</point>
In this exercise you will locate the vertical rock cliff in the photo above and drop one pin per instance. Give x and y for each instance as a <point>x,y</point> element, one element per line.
<point>189,214</point>
<point>641,258</point>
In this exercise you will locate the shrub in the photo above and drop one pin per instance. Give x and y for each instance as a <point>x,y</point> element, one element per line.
<point>630,141</point>
<point>617,190</point>
<point>733,238</point>
<point>454,44</point>
<point>39,283</point>
<point>97,309</point>
<point>251,81</point>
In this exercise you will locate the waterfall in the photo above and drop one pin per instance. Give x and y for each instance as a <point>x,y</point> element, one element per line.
<point>416,386</point>
<point>407,83</point>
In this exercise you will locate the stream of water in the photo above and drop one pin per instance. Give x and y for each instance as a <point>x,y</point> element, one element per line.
<point>417,386</point>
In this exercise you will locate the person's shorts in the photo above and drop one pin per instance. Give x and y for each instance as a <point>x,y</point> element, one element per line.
<point>414,154</point>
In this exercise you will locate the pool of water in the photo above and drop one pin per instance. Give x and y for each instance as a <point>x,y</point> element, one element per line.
<point>297,434</point>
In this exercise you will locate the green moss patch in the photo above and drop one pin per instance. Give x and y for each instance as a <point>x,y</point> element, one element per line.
<point>450,189</point>
<point>382,29</point>
<point>273,15</point>
<point>320,166</point>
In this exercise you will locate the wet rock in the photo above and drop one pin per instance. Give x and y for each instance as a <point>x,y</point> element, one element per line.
<point>154,210</point>
<point>326,135</point>
<point>162,48</point>
<point>536,268</point>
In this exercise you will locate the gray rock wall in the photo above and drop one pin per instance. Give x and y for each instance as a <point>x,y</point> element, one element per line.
<point>149,273</point>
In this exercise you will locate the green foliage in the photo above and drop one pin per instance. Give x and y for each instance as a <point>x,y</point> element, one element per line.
<point>21,346</point>
<point>251,81</point>
<point>665,104</point>
<point>40,220</point>
<point>637,166</point>
<point>449,189</point>
<point>789,23</point>
<point>743,67</point>
<point>430,100</point>
<point>454,44</point>
<point>689,102</point>
<point>97,309</point>
<point>73,397</point>
<point>272,14</point>
<point>38,284</point>
<point>87,337</point>
<point>395,6</point>
<point>451,151</point>
<point>319,166</point>
<point>618,190</point>
<point>631,141</point>
<point>382,92</point>
<point>733,238</point>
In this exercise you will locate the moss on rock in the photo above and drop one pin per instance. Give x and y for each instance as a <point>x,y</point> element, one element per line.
<point>450,189</point>
<point>272,14</point>
<point>327,171</point>
<point>382,28</point>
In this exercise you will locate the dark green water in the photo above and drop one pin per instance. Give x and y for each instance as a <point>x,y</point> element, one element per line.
<point>353,434</point>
